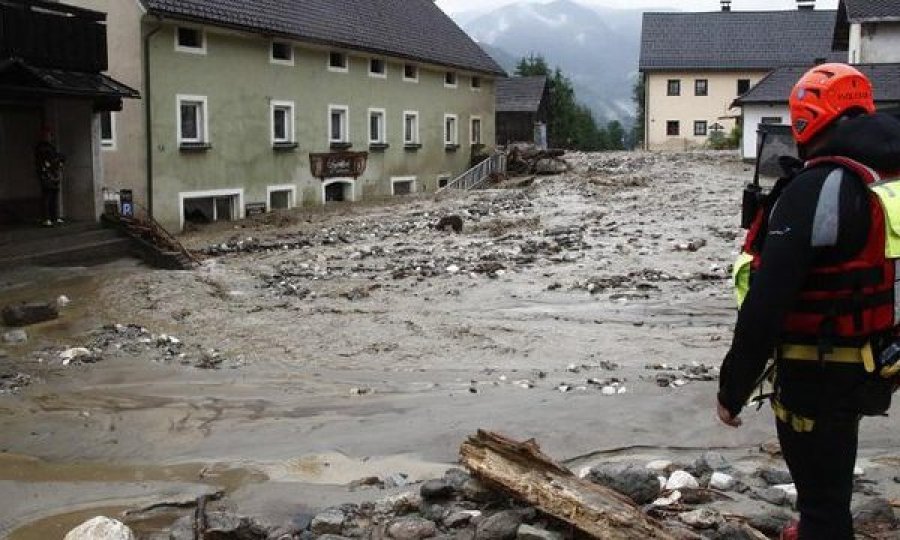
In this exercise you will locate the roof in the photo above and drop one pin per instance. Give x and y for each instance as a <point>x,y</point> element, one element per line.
<point>18,76</point>
<point>736,40</point>
<point>520,94</point>
<point>872,10</point>
<point>412,29</point>
<point>776,86</point>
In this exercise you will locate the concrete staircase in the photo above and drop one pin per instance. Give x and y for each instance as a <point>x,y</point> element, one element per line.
<point>75,244</point>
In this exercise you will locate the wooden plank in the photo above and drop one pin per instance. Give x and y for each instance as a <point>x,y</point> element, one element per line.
<point>525,473</point>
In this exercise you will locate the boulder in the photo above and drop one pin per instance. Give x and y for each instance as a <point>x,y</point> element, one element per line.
<point>28,314</point>
<point>702,518</point>
<point>711,462</point>
<point>101,528</point>
<point>500,526</point>
<point>460,518</point>
<point>330,521</point>
<point>735,531</point>
<point>776,476</point>
<point>721,481</point>
<point>638,483</point>
<point>411,528</point>
<point>874,516</point>
<point>473,490</point>
<point>436,489</point>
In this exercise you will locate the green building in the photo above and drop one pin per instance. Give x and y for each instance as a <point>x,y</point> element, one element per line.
<point>252,105</point>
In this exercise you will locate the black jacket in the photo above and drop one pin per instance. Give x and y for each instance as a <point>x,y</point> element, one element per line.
<point>788,255</point>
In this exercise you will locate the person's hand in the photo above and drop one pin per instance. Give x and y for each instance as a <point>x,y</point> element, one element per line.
<point>727,419</point>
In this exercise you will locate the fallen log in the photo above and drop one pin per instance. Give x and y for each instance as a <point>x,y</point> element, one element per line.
<point>525,473</point>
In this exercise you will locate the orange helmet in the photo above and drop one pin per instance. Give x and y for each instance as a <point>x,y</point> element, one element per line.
<point>823,94</point>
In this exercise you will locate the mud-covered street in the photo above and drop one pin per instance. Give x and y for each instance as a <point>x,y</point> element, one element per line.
<point>314,348</point>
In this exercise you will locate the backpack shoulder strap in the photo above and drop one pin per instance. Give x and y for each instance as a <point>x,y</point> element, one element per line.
<point>867,174</point>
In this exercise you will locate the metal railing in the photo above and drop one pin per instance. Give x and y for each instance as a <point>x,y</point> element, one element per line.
<point>478,174</point>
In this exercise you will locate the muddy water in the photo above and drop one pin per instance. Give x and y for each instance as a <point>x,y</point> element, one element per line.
<point>438,357</point>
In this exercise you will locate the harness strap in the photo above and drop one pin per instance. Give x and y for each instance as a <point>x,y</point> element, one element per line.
<point>838,355</point>
<point>800,424</point>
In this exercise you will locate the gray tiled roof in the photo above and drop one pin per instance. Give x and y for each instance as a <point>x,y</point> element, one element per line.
<point>520,94</point>
<point>413,29</point>
<point>872,10</point>
<point>776,86</point>
<point>735,39</point>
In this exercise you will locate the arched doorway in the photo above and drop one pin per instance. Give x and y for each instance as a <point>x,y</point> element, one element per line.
<point>338,190</point>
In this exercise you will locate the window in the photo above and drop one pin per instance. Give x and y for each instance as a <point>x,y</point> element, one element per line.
<point>450,79</point>
<point>674,87</point>
<point>475,131</point>
<point>443,180</point>
<point>377,68</point>
<point>282,53</point>
<point>403,185</point>
<point>410,127</point>
<point>281,197</point>
<point>700,128</point>
<point>672,128</point>
<point>283,122</point>
<point>193,121</point>
<point>451,131</point>
<point>337,124</point>
<point>771,120</point>
<point>410,72</point>
<point>377,133</point>
<point>190,40</point>
<point>476,83</point>
<point>337,61</point>
<point>107,130</point>
<point>743,86</point>
<point>701,87</point>
<point>209,206</point>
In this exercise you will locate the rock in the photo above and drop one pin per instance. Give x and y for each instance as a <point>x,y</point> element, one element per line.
<point>396,480</point>
<point>76,353</point>
<point>28,314</point>
<point>460,518</point>
<point>702,518</point>
<point>434,512</point>
<point>436,489</point>
<point>659,466</point>
<point>638,483</point>
<point>456,478</point>
<point>330,521</point>
<point>411,528</point>
<point>874,516</point>
<point>735,531</point>
<point>721,481</point>
<point>550,166</point>
<point>475,491</point>
<point>331,537</point>
<point>226,525</point>
<point>673,498</point>
<point>15,336</point>
<point>772,496</point>
<point>529,532</point>
<point>454,223</point>
<point>770,524</point>
<point>682,479</point>
<point>402,503</point>
<point>711,462</point>
<point>500,526</point>
<point>790,491</point>
<point>101,528</point>
<point>776,476</point>
<point>62,301</point>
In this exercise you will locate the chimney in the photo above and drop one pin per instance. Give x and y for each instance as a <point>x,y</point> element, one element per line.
<point>806,5</point>
<point>726,5</point>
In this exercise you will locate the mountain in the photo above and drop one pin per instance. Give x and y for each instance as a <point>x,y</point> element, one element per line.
<point>596,47</point>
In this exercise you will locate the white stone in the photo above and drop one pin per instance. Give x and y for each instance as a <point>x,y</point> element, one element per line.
<point>621,390</point>
<point>673,498</point>
<point>101,528</point>
<point>681,480</point>
<point>659,465</point>
<point>453,269</point>
<point>63,301</point>
<point>662,482</point>
<point>608,391</point>
<point>702,518</point>
<point>859,471</point>
<point>721,481</point>
<point>75,352</point>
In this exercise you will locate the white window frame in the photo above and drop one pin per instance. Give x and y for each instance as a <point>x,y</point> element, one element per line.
<point>455,140</point>
<point>472,80</point>
<point>191,50</point>
<point>234,192</point>
<point>382,135</point>
<point>292,132</point>
<point>292,198</point>
<point>345,125</point>
<point>472,120</point>
<point>204,106</point>
<point>398,179</point>
<point>341,180</point>
<point>416,138</point>
<point>108,145</point>
<point>333,69</point>
<point>445,176</point>
<point>455,79</point>
<point>281,61</point>
<point>411,79</point>
<point>374,75</point>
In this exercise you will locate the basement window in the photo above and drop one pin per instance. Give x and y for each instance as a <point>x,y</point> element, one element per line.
<point>403,186</point>
<point>281,197</point>
<point>443,180</point>
<point>200,210</point>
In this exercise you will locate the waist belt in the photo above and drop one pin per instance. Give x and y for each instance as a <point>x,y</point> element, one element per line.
<point>840,355</point>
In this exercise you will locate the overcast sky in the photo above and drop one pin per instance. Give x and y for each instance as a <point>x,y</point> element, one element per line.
<point>454,6</point>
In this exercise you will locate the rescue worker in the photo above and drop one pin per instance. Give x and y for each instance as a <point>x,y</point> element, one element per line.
<point>820,299</point>
<point>49,164</point>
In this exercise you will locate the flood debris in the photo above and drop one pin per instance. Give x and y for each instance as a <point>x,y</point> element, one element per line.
<point>30,313</point>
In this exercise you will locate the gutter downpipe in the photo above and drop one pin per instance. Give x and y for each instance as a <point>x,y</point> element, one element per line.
<point>148,123</point>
